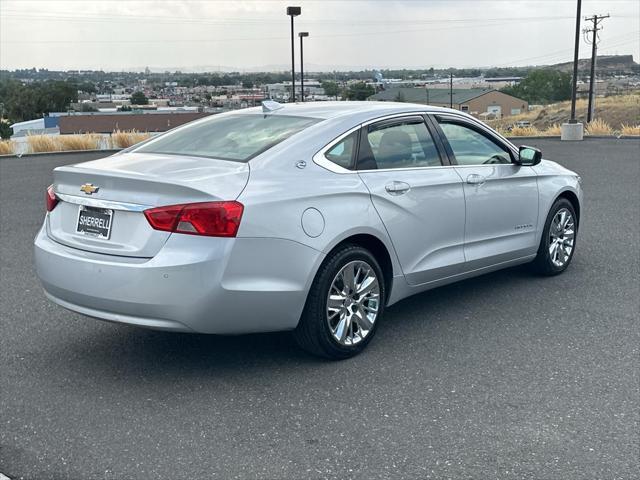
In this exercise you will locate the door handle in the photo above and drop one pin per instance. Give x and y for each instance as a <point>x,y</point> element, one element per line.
<point>475,179</point>
<point>397,188</point>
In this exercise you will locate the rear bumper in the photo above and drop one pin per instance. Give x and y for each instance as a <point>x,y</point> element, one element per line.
<point>194,284</point>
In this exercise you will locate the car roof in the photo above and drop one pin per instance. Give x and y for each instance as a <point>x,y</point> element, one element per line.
<point>331,110</point>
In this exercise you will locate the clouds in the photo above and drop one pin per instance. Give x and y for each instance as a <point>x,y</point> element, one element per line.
<point>120,35</point>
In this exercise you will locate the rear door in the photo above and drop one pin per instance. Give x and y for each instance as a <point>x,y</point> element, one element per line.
<point>419,198</point>
<point>501,197</point>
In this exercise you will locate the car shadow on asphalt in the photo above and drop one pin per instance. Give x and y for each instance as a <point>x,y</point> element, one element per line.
<point>109,348</point>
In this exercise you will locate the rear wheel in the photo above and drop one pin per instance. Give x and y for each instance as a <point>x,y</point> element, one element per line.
<point>558,241</point>
<point>344,306</point>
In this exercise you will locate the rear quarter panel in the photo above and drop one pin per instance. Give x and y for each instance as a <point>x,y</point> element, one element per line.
<point>279,192</point>
<point>275,203</point>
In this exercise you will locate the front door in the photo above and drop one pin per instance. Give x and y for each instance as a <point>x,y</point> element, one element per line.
<point>501,197</point>
<point>420,200</point>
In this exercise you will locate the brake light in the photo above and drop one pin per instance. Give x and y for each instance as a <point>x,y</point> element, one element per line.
<point>213,219</point>
<point>50,198</point>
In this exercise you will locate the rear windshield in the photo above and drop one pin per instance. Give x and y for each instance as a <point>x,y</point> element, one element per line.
<point>228,137</point>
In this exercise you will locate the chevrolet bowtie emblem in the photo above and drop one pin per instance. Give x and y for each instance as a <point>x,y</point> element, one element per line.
<point>89,188</point>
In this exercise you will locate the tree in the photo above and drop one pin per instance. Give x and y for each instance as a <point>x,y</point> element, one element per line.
<point>139,98</point>
<point>542,86</point>
<point>5,130</point>
<point>85,107</point>
<point>34,100</point>
<point>331,89</point>
<point>87,87</point>
<point>360,91</point>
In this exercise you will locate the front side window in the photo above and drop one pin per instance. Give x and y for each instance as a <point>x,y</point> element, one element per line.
<point>229,137</point>
<point>471,147</point>
<point>399,145</point>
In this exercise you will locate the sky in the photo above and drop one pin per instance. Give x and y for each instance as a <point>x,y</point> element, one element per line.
<point>212,35</point>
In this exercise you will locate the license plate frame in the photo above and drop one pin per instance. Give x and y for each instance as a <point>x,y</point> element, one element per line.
<point>99,226</point>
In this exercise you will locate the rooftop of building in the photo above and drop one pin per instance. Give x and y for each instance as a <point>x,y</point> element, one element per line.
<point>430,95</point>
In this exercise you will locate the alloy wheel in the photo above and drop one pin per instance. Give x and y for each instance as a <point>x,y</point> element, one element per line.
<point>353,303</point>
<point>561,237</point>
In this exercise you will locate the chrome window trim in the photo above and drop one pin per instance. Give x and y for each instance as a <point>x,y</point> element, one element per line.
<point>322,161</point>
<point>403,169</point>
<point>489,165</point>
<point>95,202</point>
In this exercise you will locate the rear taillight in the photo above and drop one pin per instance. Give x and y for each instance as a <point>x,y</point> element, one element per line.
<point>50,198</point>
<point>213,219</point>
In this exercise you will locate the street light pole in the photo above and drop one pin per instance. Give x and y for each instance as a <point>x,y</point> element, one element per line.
<point>293,12</point>
<point>302,35</point>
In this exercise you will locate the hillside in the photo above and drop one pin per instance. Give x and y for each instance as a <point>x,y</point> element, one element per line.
<point>615,111</point>
<point>605,63</point>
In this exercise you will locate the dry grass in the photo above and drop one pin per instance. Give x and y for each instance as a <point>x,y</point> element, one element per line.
<point>89,141</point>
<point>598,127</point>
<point>633,130</point>
<point>125,139</point>
<point>524,132</point>
<point>42,143</point>
<point>7,147</point>
<point>61,143</point>
<point>554,130</point>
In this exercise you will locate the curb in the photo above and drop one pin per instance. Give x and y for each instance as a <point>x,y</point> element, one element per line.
<point>64,152</point>
<point>586,137</point>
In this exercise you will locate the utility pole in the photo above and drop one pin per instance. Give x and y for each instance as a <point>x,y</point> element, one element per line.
<point>595,20</point>
<point>450,89</point>
<point>575,66</point>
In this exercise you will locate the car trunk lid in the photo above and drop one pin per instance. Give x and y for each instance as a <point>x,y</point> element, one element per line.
<point>111,220</point>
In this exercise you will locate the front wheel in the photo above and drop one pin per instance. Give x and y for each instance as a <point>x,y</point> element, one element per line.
<point>344,306</point>
<point>558,241</point>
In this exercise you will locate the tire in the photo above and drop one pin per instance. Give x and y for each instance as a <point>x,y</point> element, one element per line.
<point>341,326</point>
<point>550,261</point>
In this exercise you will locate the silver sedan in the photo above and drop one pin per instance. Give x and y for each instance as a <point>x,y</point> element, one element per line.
<point>304,217</point>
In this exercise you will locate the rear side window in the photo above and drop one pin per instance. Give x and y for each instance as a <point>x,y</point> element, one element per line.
<point>230,137</point>
<point>399,145</point>
<point>343,152</point>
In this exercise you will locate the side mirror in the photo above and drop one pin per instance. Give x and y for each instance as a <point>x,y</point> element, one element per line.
<point>529,156</point>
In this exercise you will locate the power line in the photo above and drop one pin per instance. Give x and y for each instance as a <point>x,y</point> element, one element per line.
<point>565,51</point>
<point>70,16</point>
<point>258,39</point>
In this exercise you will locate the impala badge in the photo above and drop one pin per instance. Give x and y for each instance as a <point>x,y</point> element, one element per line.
<point>89,188</point>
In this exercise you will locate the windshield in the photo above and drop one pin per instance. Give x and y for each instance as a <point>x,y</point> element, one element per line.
<point>229,137</point>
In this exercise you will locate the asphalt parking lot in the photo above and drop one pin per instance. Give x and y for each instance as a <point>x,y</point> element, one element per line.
<point>504,376</point>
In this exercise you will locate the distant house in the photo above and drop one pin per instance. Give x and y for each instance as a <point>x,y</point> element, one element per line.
<point>39,126</point>
<point>475,101</point>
